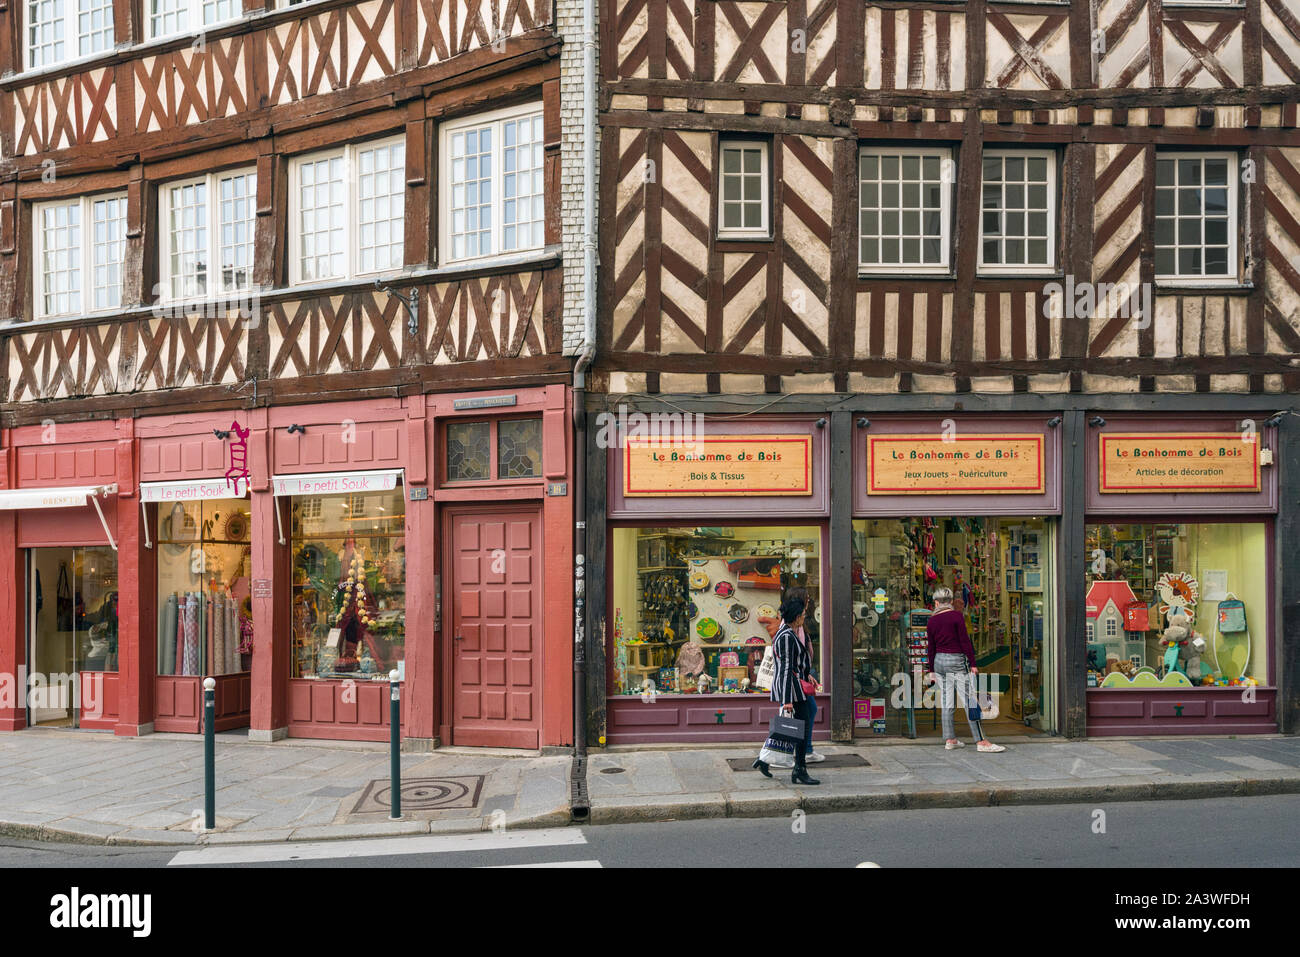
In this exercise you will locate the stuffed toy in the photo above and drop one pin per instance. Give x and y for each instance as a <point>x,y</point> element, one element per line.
<point>1194,671</point>
<point>1175,638</point>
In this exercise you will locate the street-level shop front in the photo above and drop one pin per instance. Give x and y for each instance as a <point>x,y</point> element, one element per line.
<point>1165,625</point>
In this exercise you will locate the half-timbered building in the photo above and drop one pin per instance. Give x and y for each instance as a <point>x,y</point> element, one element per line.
<point>284,394</point>
<point>1002,296</point>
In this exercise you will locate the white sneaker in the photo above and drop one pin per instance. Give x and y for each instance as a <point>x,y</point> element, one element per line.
<point>953,745</point>
<point>988,747</point>
<point>812,757</point>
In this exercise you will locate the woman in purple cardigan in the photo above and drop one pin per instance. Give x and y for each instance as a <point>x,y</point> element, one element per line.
<point>952,659</point>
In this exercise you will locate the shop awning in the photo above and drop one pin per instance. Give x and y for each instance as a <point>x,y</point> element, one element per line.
<point>75,496</point>
<point>336,483</point>
<point>191,491</point>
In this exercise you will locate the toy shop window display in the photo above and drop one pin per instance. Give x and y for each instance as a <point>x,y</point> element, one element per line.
<point>349,584</point>
<point>204,605</point>
<point>689,604</point>
<point>1176,605</point>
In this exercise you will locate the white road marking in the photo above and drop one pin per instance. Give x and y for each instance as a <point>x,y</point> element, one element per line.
<point>381,847</point>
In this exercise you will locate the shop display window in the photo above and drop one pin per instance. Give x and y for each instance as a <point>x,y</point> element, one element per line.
<point>687,604</point>
<point>205,616</point>
<point>999,570</point>
<point>349,584</point>
<point>1176,605</point>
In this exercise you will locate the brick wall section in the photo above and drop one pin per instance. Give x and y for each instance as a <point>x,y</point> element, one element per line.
<point>568,19</point>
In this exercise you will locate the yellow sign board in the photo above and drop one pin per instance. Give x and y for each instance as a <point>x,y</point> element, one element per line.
<point>1178,462</point>
<point>718,465</point>
<point>958,464</point>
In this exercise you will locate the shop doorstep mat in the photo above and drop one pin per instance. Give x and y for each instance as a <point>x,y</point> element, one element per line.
<point>423,794</point>
<point>832,761</point>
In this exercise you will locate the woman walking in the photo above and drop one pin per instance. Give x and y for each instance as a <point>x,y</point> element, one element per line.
<point>952,658</point>
<point>792,665</point>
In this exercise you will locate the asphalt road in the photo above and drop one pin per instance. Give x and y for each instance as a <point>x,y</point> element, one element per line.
<point>1237,832</point>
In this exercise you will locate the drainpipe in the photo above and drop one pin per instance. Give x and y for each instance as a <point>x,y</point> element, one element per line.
<point>580,368</point>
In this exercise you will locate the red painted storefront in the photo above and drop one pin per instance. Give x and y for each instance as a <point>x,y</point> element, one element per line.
<point>488,567</point>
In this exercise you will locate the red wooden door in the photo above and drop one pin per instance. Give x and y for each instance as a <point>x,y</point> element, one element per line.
<point>496,630</point>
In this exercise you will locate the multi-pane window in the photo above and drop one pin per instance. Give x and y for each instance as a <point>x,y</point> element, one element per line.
<point>59,30</point>
<point>493,184</point>
<point>207,234</point>
<point>170,17</point>
<point>1018,211</point>
<point>743,192</point>
<point>1196,211</point>
<point>348,212</point>
<point>80,245</point>
<point>903,209</point>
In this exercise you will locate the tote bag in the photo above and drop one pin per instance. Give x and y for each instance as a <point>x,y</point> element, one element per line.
<point>766,671</point>
<point>64,616</point>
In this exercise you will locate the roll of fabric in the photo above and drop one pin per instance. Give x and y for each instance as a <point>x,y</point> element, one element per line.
<point>191,634</point>
<point>167,659</point>
<point>232,634</point>
<point>178,652</point>
<point>218,635</point>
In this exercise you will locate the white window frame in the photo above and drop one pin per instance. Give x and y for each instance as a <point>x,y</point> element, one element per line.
<point>350,203</point>
<point>495,119</point>
<point>1053,202</point>
<point>71,36</point>
<point>1112,627</point>
<point>86,254</point>
<point>945,155</point>
<point>765,184</point>
<point>1232,276</point>
<point>212,181</point>
<point>194,23</point>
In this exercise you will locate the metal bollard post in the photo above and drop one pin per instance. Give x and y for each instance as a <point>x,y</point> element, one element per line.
<point>395,742</point>
<point>209,753</point>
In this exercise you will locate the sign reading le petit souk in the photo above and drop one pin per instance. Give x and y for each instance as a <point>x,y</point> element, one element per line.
<point>930,464</point>
<point>718,465</point>
<point>1178,462</point>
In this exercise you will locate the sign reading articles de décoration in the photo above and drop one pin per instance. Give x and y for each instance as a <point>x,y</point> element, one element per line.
<point>1178,462</point>
<point>718,465</point>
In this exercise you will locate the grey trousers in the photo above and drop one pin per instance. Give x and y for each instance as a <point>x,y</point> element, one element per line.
<point>956,687</point>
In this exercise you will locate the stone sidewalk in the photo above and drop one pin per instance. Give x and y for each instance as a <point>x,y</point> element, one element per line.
<point>644,785</point>
<point>93,787</point>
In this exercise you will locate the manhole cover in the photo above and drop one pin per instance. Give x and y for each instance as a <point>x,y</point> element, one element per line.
<point>423,794</point>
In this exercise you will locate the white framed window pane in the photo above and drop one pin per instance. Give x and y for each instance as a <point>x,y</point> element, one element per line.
<point>381,206</point>
<point>46,43</point>
<point>60,267</point>
<point>1015,216</point>
<point>218,11</point>
<point>521,183</point>
<point>321,202</point>
<point>902,209</point>
<point>471,201</point>
<point>187,231</point>
<point>1195,217</point>
<point>94,26</point>
<point>167,17</point>
<point>743,188</point>
<point>107,250</point>
<point>236,215</point>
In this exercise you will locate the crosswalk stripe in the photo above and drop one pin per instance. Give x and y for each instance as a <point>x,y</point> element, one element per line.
<point>381,847</point>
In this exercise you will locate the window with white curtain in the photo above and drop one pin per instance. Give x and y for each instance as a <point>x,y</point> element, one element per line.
<point>61,30</point>
<point>79,249</point>
<point>168,18</point>
<point>206,234</point>
<point>348,211</point>
<point>492,184</point>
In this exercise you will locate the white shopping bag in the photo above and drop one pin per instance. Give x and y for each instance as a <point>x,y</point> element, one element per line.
<point>766,673</point>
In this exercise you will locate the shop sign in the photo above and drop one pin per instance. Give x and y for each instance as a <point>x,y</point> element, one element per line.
<point>333,483</point>
<point>73,497</point>
<point>935,464</point>
<point>718,465</point>
<point>1178,462</point>
<point>186,491</point>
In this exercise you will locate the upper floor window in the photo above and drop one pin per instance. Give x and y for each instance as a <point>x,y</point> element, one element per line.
<point>59,30</point>
<point>348,211</point>
<point>744,193</point>
<point>207,234</point>
<point>80,245</point>
<point>1018,211</point>
<point>1196,217</point>
<point>493,183</point>
<point>479,451</point>
<point>168,18</point>
<point>903,209</point>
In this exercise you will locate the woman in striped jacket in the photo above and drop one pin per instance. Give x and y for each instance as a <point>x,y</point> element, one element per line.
<point>793,666</point>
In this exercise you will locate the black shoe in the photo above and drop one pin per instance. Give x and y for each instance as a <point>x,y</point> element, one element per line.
<point>762,767</point>
<point>800,776</point>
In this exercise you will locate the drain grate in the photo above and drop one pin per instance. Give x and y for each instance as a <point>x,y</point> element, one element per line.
<point>423,794</point>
